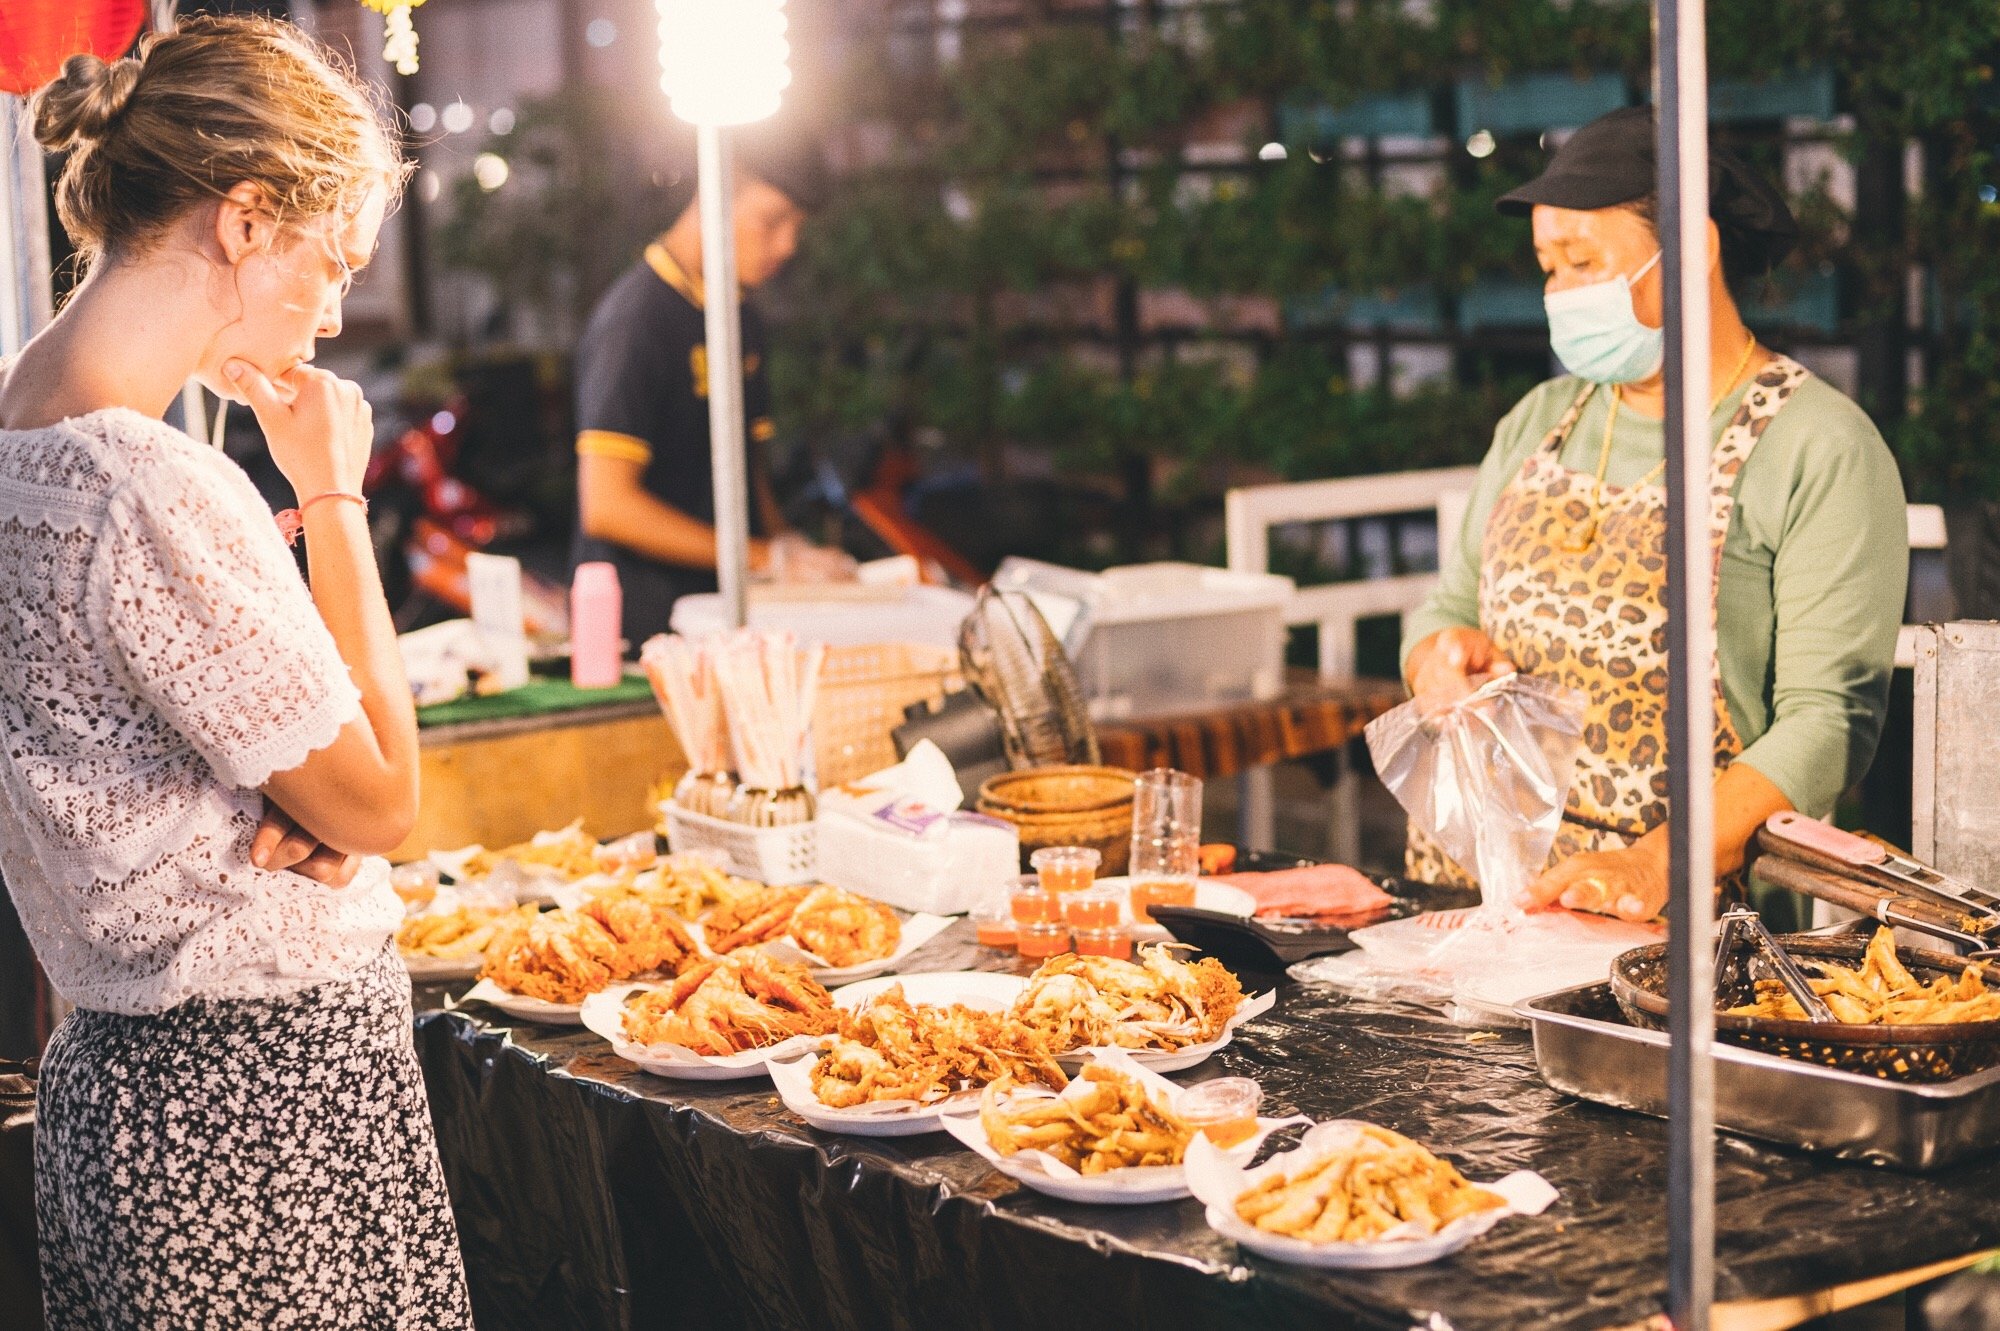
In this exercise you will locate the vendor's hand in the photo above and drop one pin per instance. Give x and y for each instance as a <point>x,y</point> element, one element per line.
<point>318,425</point>
<point>1630,884</point>
<point>795,559</point>
<point>280,843</point>
<point>1447,666</point>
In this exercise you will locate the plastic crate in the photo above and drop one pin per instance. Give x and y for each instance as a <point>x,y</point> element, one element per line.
<point>780,856</point>
<point>863,692</point>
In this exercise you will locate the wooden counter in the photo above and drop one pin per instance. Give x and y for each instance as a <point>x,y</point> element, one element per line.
<point>501,781</point>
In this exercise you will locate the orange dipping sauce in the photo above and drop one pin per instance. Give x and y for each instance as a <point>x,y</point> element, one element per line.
<point>1033,905</point>
<point>1160,892</point>
<point>1113,942</point>
<point>1094,909</point>
<point>995,933</point>
<point>1042,940</point>
<point>1231,1131</point>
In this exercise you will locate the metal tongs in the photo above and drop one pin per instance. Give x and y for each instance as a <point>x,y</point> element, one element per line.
<point>1820,860</point>
<point>1733,968</point>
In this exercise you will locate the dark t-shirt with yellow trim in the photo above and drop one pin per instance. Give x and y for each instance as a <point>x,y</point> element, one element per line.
<point>642,394</point>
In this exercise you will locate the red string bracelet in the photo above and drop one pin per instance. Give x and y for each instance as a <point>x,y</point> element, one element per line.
<point>292,521</point>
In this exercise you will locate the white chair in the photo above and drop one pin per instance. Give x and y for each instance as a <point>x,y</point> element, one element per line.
<point>1336,608</point>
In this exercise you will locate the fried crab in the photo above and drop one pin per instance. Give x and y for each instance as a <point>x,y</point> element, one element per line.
<point>1157,1001</point>
<point>893,1049</point>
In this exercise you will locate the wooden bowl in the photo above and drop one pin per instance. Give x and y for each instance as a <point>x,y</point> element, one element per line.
<point>1067,806</point>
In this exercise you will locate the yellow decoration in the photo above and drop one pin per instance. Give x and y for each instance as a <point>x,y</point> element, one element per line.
<point>399,43</point>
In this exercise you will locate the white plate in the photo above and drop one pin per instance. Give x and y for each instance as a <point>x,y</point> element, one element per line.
<point>917,930</point>
<point>978,989</point>
<point>1219,1180</point>
<point>422,968</point>
<point>1180,1060</point>
<point>604,1014</point>
<point>526,1009</point>
<point>1136,1186</point>
<point>1219,897</point>
<point>793,1078</point>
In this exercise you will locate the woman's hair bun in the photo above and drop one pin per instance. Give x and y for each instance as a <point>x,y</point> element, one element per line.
<point>83,102</point>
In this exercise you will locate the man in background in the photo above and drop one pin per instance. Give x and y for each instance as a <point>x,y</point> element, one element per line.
<point>645,483</point>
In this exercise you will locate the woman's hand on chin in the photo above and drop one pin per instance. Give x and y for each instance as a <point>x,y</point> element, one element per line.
<point>1630,884</point>
<point>318,425</point>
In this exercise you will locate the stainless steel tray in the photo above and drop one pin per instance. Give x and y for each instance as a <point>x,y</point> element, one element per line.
<point>1585,1048</point>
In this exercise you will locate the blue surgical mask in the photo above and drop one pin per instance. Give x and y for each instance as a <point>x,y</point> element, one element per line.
<point>1597,334</point>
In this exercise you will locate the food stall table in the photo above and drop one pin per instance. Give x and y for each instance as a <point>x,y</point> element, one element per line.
<point>590,1194</point>
<point>494,771</point>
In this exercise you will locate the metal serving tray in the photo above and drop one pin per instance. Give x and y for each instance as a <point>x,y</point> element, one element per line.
<point>1585,1048</point>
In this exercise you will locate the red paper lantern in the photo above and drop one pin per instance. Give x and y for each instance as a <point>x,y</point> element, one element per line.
<point>36,36</point>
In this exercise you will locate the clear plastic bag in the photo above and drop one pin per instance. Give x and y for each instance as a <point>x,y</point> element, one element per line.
<point>1486,777</point>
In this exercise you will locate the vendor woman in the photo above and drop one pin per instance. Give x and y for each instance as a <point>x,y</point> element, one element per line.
<point>1560,569</point>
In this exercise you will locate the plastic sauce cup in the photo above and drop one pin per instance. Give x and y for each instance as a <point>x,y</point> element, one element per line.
<point>1112,942</point>
<point>993,925</point>
<point>1033,905</point>
<point>1225,1110</point>
<point>1066,868</point>
<point>1096,908</point>
<point>1160,892</point>
<point>1042,940</point>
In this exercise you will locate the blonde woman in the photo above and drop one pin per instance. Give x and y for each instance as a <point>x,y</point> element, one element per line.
<point>202,755</point>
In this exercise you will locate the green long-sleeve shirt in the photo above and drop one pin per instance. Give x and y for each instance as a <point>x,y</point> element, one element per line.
<point>1814,572</point>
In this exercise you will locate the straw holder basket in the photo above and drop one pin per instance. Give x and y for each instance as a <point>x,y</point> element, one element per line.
<point>863,691</point>
<point>1067,806</point>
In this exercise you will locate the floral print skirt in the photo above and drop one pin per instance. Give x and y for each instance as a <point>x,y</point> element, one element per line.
<point>245,1163</point>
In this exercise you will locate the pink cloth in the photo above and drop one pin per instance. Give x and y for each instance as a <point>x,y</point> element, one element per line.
<point>1319,889</point>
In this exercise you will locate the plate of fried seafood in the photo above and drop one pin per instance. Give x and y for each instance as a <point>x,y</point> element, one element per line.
<point>841,936</point>
<point>719,1020</point>
<point>541,966</point>
<point>892,1066</point>
<point>532,869</point>
<point>449,943</point>
<point>1111,1136</point>
<point>1168,1012</point>
<point>1355,1195</point>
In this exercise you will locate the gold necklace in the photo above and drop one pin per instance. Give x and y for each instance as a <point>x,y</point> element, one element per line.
<point>1585,534</point>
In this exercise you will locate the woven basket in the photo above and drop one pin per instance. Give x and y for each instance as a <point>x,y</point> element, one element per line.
<point>863,692</point>
<point>1067,806</point>
<point>1929,1053</point>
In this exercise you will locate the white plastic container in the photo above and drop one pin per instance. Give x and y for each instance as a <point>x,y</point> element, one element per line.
<point>1148,639</point>
<point>779,856</point>
<point>942,874</point>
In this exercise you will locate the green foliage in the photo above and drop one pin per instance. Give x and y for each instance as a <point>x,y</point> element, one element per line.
<point>971,282</point>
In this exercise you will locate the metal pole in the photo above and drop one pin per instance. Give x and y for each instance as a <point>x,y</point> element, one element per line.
<point>26,304</point>
<point>725,372</point>
<point>1682,73</point>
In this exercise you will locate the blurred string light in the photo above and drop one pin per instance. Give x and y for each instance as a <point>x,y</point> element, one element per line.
<point>1272,152</point>
<point>399,34</point>
<point>423,117</point>
<point>501,122</point>
<point>456,118</point>
<point>723,62</point>
<point>600,32</point>
<point>1481,144</point>
<point>490,170</point>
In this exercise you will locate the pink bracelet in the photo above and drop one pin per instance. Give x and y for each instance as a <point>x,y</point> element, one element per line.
<point>292,521</point>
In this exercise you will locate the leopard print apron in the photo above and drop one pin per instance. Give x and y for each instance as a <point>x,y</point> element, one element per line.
<point>1597,620</point>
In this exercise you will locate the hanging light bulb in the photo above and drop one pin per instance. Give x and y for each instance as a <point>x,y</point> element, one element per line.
<point>723,62</point>
<point>399,34</point>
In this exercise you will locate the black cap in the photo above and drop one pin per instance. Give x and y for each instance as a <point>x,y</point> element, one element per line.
<point>1610,161</point>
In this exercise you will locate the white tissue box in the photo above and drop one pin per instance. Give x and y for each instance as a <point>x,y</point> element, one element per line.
<point>974,859</point>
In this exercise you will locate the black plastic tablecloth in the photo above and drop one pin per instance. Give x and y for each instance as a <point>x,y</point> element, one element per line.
<point>590,1194</point>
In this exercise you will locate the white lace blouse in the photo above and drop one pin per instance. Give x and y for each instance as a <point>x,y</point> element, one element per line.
<point>160,658</point>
